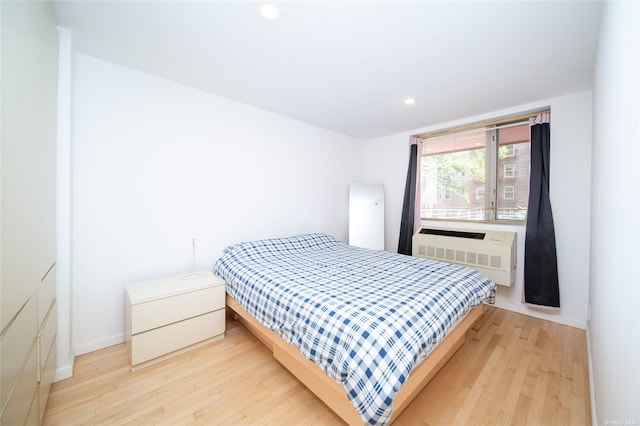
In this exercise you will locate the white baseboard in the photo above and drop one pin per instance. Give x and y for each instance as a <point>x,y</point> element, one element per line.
<point>64,365</point>
<point>63,372</point>
<point>592,391</point>
<point>99,344</point>
<point>521,309</point>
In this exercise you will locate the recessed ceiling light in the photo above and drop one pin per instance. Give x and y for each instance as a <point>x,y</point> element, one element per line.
<point>270,12</point>
<point>409,101</point>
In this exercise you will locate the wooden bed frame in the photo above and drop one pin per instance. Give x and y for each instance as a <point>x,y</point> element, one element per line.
<point>331,392</point>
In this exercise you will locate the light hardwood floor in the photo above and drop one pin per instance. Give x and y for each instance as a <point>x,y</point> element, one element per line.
<point>512,369</point>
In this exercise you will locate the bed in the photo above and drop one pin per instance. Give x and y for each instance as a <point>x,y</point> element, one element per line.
<point>364,329</point>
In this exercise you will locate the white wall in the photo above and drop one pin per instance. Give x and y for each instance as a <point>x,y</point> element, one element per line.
<point>386,160</point>
<point>613,334</point>
<point>156,162</point>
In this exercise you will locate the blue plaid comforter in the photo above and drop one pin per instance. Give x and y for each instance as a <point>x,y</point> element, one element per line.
<point>366,317</point>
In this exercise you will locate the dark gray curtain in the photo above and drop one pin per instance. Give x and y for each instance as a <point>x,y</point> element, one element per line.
<point>409,205</point>
<point>540,263</point>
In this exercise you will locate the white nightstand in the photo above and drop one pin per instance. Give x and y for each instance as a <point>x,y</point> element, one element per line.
<point>169,316</point>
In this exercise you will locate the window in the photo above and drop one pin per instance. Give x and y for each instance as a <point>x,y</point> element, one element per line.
<point>465,166</point>
<point>509,170</point>
<point>509,192</point>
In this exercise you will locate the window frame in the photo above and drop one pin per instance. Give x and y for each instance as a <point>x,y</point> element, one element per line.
<point>491,200</point>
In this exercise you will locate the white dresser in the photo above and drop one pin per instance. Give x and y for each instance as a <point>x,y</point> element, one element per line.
<point>28,308</point>
<point>169,316</point>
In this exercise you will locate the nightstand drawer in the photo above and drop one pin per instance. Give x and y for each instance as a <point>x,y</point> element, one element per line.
<point>160,312</point>
<point>164,340</point>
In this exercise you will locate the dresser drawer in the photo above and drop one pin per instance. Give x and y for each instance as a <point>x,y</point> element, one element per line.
<point>48,371</point>
<point>164,340</point>
<point>46,294</point>
<point>16,343</point>
<point>160,312</point>
<point>20,401</point>
<point>46,337</point>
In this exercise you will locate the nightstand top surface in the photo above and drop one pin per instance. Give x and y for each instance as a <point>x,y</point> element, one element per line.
<point>146,291</point>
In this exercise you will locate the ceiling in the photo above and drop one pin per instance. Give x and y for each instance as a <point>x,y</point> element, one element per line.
<point>347,65</point>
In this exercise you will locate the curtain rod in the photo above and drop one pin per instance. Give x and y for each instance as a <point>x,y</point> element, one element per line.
<point>504,121</point>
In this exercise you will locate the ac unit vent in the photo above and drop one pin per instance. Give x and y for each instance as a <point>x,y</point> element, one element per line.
<point>449,254</point>
<point>493,253</point>
<point>471,258</point>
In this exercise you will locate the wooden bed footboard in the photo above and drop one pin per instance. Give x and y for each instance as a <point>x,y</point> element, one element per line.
<point>331,392</point>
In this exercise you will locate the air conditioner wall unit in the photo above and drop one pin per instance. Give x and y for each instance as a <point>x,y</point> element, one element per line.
<point>492,253</point>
